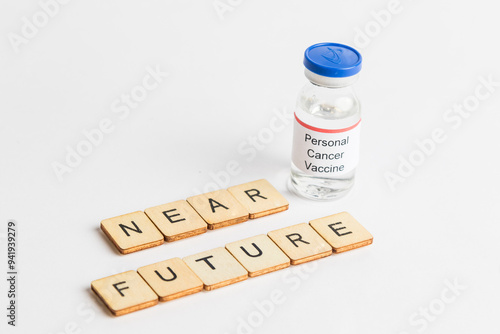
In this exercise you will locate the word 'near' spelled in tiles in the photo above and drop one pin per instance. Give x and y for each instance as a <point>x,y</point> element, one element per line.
<point>182,219</point>
<point>131,291</point>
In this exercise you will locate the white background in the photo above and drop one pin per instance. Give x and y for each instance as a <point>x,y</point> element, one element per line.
<point>228,74</point>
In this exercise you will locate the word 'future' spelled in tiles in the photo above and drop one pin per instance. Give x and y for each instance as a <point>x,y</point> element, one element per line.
<point>174,278</point>
<point>183,219</point>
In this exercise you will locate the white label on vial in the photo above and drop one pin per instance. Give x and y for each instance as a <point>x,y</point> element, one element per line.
<point>325,152</point>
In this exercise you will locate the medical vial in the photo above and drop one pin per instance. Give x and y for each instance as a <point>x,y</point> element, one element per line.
<point>327,123</point>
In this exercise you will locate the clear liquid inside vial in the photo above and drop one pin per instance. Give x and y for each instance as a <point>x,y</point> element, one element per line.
<point>330,104</point>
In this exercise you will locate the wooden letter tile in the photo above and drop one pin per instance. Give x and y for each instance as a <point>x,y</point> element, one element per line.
<point>171,279</point>
<point>177,220</point>
<point>132,232</point>
<point>342,232</point>
<point>219,209</point>
<point>124,293</point>
<point>259,255</point>
<point>260,198</point>
<point>300,243</point>
<point>216,268</point>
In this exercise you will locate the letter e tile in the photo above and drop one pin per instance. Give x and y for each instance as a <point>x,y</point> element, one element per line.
<point>342,232</point>
<point>177,220</point>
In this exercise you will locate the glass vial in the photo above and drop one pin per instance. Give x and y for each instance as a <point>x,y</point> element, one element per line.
<point>327,123</point>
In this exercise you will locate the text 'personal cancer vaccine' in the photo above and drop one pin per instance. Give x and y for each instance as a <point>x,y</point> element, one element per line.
<point>327,123</point>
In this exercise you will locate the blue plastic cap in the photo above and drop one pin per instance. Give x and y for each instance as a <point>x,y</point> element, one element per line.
<point>332,60</point>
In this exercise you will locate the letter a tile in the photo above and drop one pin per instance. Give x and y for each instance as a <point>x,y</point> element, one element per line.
<point>216,268</point>
<point>259,255</point>
<point>124,293</point>
<point>132,232</point>
<point>219,208</point>
<point>260,198</point>
<point>300,243</point>
<point>171,279</point>
<point>177,220</point>
<point>342,232</point>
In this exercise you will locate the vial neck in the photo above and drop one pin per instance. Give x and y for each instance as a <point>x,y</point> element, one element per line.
<point>320,80</point>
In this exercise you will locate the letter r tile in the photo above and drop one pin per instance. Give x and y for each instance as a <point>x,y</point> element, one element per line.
<point>216,268</point>
<point>171,279</point>
<point>124,293</point>
<point>132,232</point>
<point>300,243</point>
<point>342,232</point>
<point>260,198</point>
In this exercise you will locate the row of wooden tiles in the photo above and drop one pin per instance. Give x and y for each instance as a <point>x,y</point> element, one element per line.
<point>131,291</point>
<point>182,219</point>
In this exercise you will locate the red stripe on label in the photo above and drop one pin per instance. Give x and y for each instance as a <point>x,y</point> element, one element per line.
<point>325,130</point>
